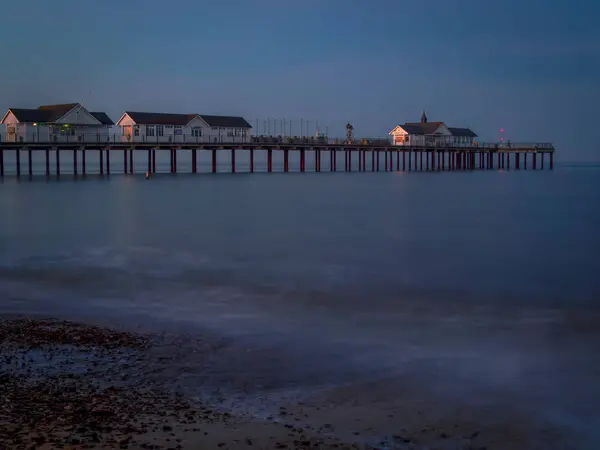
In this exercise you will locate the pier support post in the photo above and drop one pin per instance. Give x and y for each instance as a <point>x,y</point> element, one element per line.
<point>75,161</point>
<point>125,161</point>
<point>150,161</point>
<point>349,160</point>
<point>270,160</point>
<point>403,160</point>
<point>421,160</point>
<point>410,160</point>
<point>534,157</point>
<point>364,160</point>
<point>18,161</point>
<point>499,165</point>
<point>108,162</point>
<point>427,161</point>
<point>232,160</point>
<point>386,160</point>
<point>286,160</point>
<point>194,161</point>
<point>372,160</point>
<point>551,160</point>
<point>317,160</point>
<point>174,161</point>
<point>302,160</point>
<point>360,160</point>
<point>83,161</point>
<point>335,160</point>
<point>517,161</point>
<point>1,162</point>
<point>542,160</point>
<point>29,163</point>
<point>47,162</point>
<point>214,160</point>
<point>525,161</point>
<point>57,162</point>
<point>508,161</point>
<point>101,158</point>
<point>251,160</point>
<point>130,161</point>
<point>377,156</point>
<point>153,160</point>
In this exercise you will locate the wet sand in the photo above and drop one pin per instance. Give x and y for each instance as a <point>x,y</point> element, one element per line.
<point>70,385</point>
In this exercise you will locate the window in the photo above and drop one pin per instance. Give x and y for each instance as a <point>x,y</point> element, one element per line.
<point>136,131</point>
<point>160,130</point>
<point>230,133</point>
<point>197,132</point>
<point>150,130</point>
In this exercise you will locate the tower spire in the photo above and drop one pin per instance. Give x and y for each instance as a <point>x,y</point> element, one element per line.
<point>424,117</point>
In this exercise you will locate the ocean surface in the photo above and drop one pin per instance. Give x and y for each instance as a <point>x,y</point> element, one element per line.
<point>488,281</point>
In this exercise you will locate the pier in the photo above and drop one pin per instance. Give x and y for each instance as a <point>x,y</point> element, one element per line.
<point>258,155</point>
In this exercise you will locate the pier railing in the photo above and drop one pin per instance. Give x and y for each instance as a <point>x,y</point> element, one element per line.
<point>117,139</point>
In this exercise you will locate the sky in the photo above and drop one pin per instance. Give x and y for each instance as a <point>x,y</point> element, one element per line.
<point>529,67</point>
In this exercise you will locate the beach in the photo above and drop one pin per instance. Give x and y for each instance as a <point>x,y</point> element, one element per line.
<point>72,385</point>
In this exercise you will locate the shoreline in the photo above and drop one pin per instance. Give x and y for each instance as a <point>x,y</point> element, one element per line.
<point>85,386</point>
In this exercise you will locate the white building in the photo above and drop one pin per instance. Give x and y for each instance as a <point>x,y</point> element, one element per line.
<point>69,122</point>
<point>434,134</point>
<point>163,127</point>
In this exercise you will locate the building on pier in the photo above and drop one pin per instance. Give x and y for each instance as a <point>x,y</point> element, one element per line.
<point>434,134</point>
<point>56,123</point>
<point>166,127</point>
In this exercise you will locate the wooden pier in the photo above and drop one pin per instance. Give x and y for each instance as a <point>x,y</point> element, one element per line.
<point>357,157</point>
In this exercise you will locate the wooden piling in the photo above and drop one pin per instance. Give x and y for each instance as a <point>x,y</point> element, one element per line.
<point>232,160</point>
<point>75,161</point>
<point>101,158</point>
<point>270,160</point>
<point>18,161</point>
<point>83,161</point>
<point>194,161</point>
<point>214,160</point>
<point>251,160</point>
<point>150,162</point>
<point>57,162</point>
<point>108,162</point>
<point>153,160</point>
<point>125,161</point>
<point>1,162</point>
<point>286,160</point>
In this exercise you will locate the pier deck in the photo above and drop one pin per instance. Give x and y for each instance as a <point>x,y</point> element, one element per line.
<point>381,156</point>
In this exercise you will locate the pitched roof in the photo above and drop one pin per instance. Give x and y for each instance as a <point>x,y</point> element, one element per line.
<point>51,113</point>
<point>461,132</point>
<point>30,115</point>
<point>421,128</point>
<point>226,121</point>
<point>102,118</point>
<point>55,112</point>
<point>145,118</point>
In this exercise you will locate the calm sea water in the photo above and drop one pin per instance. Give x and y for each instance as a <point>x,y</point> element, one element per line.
<point>492,278</point>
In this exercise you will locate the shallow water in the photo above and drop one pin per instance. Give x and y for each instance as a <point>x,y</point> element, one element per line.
<point>485,282</point>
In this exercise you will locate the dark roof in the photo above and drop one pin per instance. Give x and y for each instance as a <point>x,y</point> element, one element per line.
<point>102,118</point>
<point>226,121</point>
<point>55,112</point>
<point>30,115</point>
<point>51,113</point>
<point>461,132</point>
<point>145,118</point>
<point>421,128</point>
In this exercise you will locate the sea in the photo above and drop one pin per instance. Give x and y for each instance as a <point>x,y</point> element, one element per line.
<point>488,280</point>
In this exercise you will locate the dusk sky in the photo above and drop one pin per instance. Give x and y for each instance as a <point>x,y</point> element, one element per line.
<point>531,67</point>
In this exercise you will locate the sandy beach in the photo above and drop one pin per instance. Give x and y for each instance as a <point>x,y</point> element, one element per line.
<point>71,385</point>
